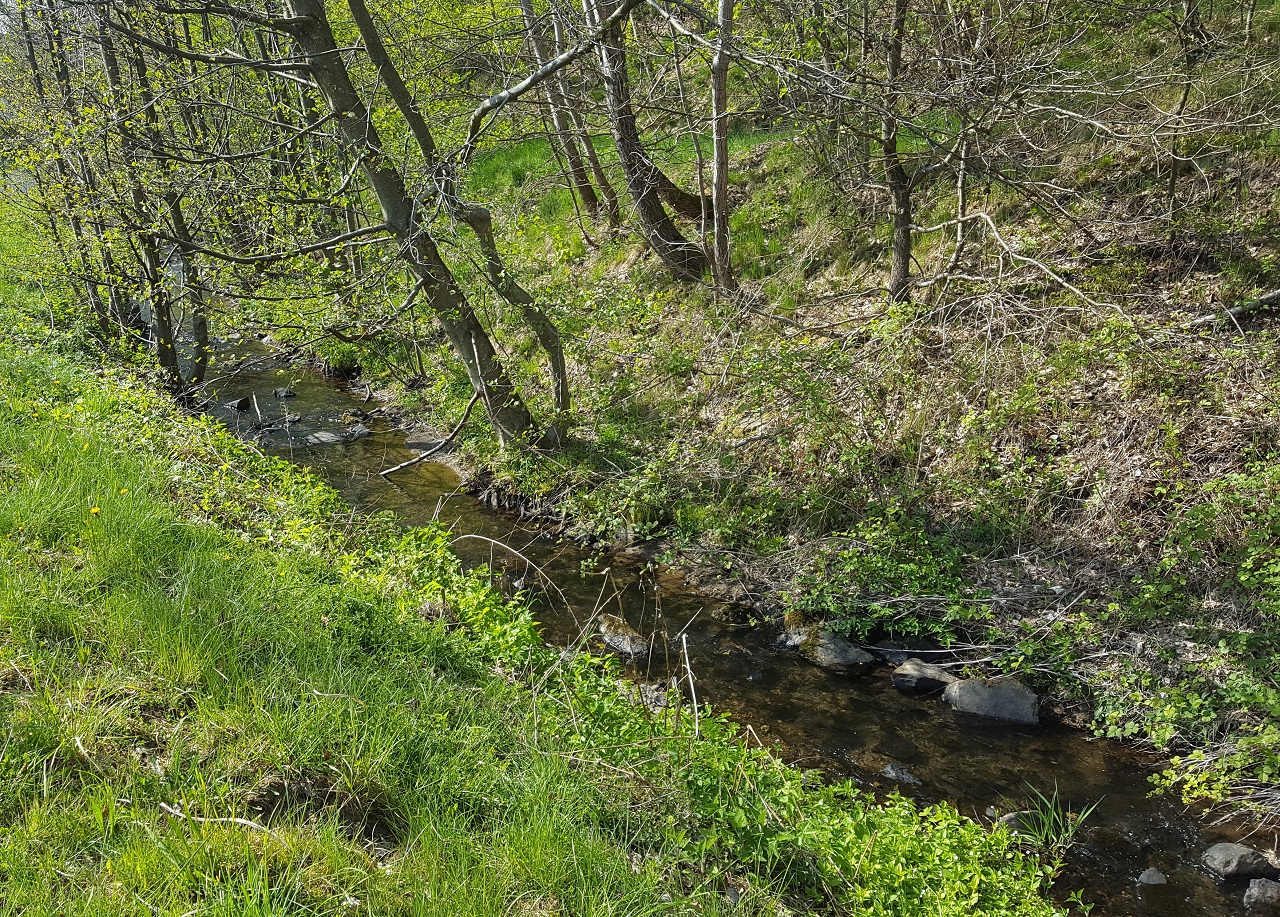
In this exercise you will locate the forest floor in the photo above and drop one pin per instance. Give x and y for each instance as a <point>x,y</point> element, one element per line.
<point>224,694</point>
<point>1049,461</point>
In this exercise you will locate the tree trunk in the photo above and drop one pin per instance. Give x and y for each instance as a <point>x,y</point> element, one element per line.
<point>477,217</point>
<point>721,267</point>
<point>558,106</point>
<point>507,412</point>
<point>900,184</point>
<point>684,259</point>
<point>612,210</point>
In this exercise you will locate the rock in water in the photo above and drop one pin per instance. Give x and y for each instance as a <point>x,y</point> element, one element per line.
<point>652,696</point>
<point>916,677</point>
<point>240,404</point>
<point>1264,895</point>
<point>898,651</point>
<point>899,774</point>
<point>1236,861</point>
<point>829,650</point>
<point>1152,876</point>
<point>325,438</point>
<point>357,431</point>
<point>997,698</point>
<point>621,637</point>
<point>284,393</point>
<point>1014,821</point>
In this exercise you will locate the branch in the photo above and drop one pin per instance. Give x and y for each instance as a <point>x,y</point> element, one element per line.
<point>1244,308</point>
<point>242,822</point>
<point>193,248</point>
<point>239,12</point>
<point>440,445</point>
<point>224,59</point>
<point>533,80</point>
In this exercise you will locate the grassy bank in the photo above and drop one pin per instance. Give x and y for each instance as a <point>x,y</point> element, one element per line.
<point>222,693</point>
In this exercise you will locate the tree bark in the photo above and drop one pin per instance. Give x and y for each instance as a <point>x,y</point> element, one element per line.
<point>900,184</point>
<point>477,217</point>
<point>558,106</point>
<point>510,417</point>
<point>721,266</point>
<point>681,256</point>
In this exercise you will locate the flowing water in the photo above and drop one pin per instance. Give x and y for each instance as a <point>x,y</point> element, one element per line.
<point>847,727</point>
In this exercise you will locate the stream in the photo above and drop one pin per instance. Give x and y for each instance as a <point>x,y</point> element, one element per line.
<point>851,727</point>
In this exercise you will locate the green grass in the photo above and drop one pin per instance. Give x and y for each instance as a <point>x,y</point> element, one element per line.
<point>155,663</point>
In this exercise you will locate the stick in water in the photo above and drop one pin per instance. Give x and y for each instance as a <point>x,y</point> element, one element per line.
<point>438,446</point>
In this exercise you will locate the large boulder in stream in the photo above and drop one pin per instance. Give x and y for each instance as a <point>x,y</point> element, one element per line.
<point>995,698</point>
<point>1236,861</point>
<point>621,637</point>
<point>899,649</point>
<point>829,650</point>
<point>916,677</point>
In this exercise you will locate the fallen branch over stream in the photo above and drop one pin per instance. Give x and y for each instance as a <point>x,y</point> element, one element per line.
<point>438,446</point>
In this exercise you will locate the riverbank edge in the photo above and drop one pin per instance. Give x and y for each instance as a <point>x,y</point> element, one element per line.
<point>1084,695</point>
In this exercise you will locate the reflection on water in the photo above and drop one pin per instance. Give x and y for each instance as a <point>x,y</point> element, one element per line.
<point>848,727</point>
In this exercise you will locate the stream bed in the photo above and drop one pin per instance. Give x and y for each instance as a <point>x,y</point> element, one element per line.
<point>852,727</point>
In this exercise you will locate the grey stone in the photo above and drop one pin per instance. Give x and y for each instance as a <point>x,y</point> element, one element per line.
<point>284,393</point>
<point>357,431</point>
<point>996,698</point>
<point>829,650</point>
<point>1152,876</point>
<point>916,677</point>
<point>1263,894</point>
<point>325,438</point>
<point>1236,861</point>
<point>291,418</point>
<point>899,774</point>
<point>652,696</point>
<point>240,404</point>
<point>1013,821</point>
<point>622,638</point>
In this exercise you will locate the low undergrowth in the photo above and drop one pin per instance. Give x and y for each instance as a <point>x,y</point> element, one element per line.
<point>222,694</point>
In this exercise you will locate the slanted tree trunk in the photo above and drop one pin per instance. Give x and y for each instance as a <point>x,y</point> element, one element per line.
<point>558,107</point>
<point>681,256</point>
<point>477,217</point>
<point>602,179</point>
<point>612,210</point>
<point>310,28</point>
